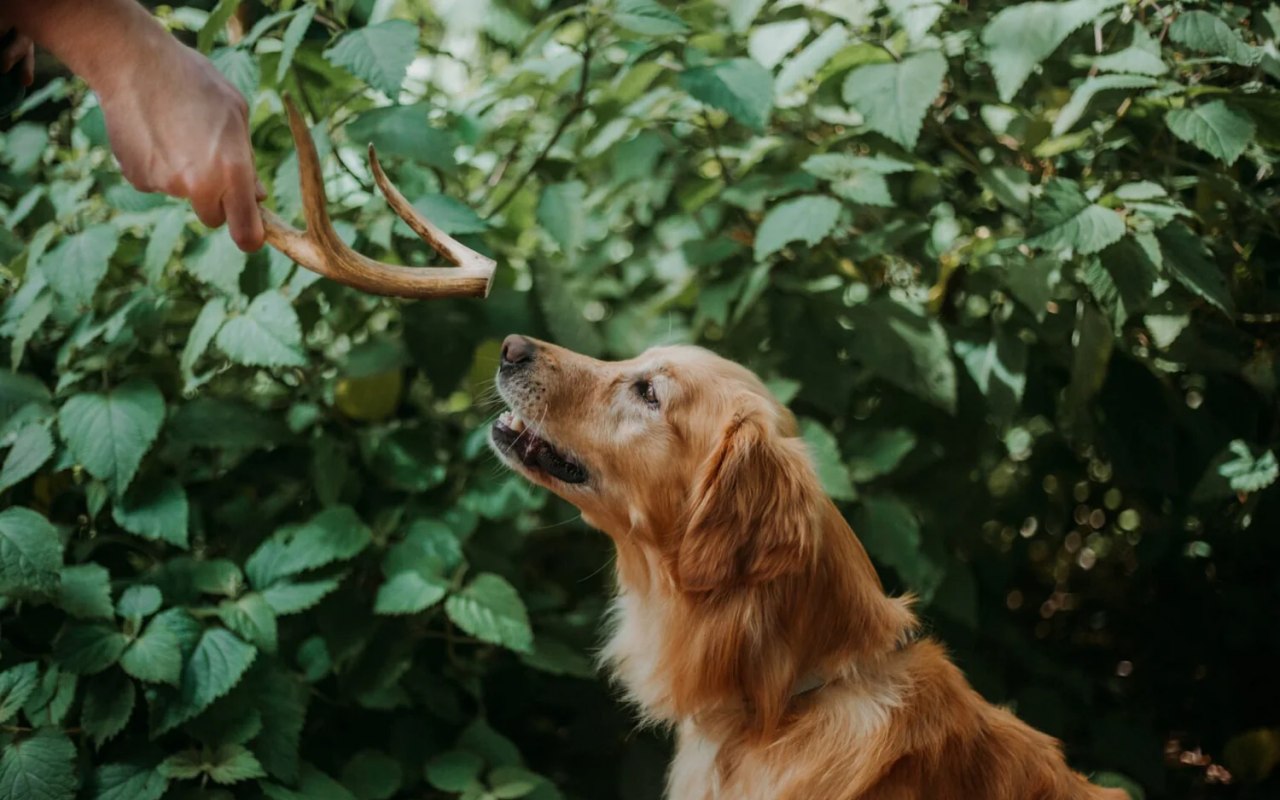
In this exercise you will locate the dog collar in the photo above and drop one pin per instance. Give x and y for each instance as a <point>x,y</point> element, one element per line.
<point>814,682</point>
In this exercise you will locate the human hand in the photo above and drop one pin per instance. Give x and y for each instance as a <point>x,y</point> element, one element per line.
<point>177,126</point>
<point>17,51</point>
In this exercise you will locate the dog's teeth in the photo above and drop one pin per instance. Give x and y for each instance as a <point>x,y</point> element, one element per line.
<point>517,424</point>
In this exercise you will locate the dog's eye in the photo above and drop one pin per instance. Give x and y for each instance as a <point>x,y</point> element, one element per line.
<point>647,392</point>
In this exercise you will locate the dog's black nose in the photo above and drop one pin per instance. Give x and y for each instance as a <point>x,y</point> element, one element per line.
<point>517,350</point>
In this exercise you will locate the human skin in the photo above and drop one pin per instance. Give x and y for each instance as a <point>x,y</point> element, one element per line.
<point>176,125</point>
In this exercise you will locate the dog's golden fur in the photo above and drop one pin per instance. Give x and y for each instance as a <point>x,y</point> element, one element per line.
<point>748,615</point>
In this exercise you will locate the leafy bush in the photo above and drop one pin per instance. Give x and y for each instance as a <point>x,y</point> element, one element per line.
<point>1013,264</point>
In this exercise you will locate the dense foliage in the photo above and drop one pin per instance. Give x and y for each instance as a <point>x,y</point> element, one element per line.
<point>1013,264</point>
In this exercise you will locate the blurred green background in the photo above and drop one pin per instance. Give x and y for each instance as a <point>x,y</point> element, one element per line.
<point>1014,266</point>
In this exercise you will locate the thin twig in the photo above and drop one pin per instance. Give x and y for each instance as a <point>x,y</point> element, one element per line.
<point>715,150</point>
<point>579,105</point>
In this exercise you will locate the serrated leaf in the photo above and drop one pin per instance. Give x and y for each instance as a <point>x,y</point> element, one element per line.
<point>893,98</point>
<point>217,262</point>
<point>1141,57</point>
<point>76,267</point>
<point>127,782</point>
<point>206,326</point>
<point>1070,113</point>
<point>218,663</point>
<point>252,618</point>
<point>828,461</point>
<point>293,35</point>
<point>226,764</point>
<point>891,533</point>
<point>1203,31</point>
<point>335,534</point>
<point>216,24</point>
<point>85,591</point>
<point>40,767</point>
<point>999,368</point>
<point>906,349</point>
<point>108,704</point>
<point>806,64</point>
<point>372,775</point>
<point>808,219</point>
<point>769,44</point>
<point>16,685</point>
<point>88,648</point>
<point>138,602</point>
<point>1248,471</point>
<point>156,655</point>
<point>648,18</point>
<point>290,598</point>
<point>1021,36</point>
<point>450,215</point>
<point>283,705</point>
<point>409,592</point>
<point>1186,259</point>
<point>408,132</point>
<point>162,242</point>
<point>31,448</point>
<point>1066,218</point>
<point>155,510</point>
<point>491,610</point>
<point>267,334</point>
<point>378,54</point>
<point>1215,127</point>
<point>30,553</point>
<point>739,86</point>
<point>49,704</point>
<point>240,68</point>
<point>109,433</point>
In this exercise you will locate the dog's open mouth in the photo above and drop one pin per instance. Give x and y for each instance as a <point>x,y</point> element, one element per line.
<point>517,441</point>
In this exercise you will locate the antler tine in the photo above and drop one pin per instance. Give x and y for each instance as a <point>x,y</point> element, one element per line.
<point>321,250</point>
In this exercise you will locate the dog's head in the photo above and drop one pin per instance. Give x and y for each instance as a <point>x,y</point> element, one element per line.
<point>678,449</point>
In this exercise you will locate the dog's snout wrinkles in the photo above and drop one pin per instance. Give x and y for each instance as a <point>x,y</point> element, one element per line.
<point>517,350</point>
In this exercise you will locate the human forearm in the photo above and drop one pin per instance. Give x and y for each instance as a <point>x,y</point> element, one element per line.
<point>102,41</point>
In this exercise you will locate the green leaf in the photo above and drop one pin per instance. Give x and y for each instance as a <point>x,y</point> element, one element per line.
<point>30,553</point>
<point>53,697</point>
<point>139,602</point>
<point>240,68</point>
<point>109,433</point>
<point>156,655</point>
<point>31,448</point>
<point>740,86</point>
<point>88,648</point>
<point>226,764</point>
<point>879,452</point>
<point>314,785</point>
<point>893,98</point>
<point>290,598</point>
<point>252,618</point>
<point>408,132</point>
<point>215,667</point>
<point>808,219</point>
<point>828,461</point>
<point>1186,259</point>
<point>85,591</point>
<point>1021,36</point>
<point>282,701</point>
<point>891,534</point>
<point>108,704</point>
<point>648,18</point>
<point>769,44</point>
<point>155,510</point>
<point>127,782</point>
<point>1200,30</point>
<point>378,54</point>
<point>1117,781</point>
<point>490,609</point>
<point>806,64</point>
<point>906,349</point>
<point>454,771</point>
<point>1214,127</point>
<point>216,261</point>
<point>267,334</point>
<point>1070,113</point>
<point>372,775</point>
<point>449,215</point>
<point>1066,218</point>
<point>335,534</point>
<point>1249,470</point>
<point>76,267</point>
<point>561,213</point>
<point>216,24</point>
<point>202,332</point>
<point>162,242</point>
<point>293,35</point>
<point>1141,57</point>
<point>16,685</point>
<point>41,767</point>
<point>409,593</point>
<point>998,366</point>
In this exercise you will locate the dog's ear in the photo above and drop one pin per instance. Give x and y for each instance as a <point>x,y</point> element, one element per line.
<point>753,510</point>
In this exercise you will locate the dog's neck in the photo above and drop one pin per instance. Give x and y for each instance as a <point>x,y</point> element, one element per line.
<point>747,653</point>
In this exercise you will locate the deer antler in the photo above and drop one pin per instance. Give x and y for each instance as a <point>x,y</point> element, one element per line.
<point>320,250</point>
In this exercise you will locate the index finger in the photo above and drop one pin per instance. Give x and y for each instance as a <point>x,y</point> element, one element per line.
<point>244,218</point>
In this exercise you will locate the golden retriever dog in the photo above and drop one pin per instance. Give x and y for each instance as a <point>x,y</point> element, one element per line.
<point>748,616</point>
